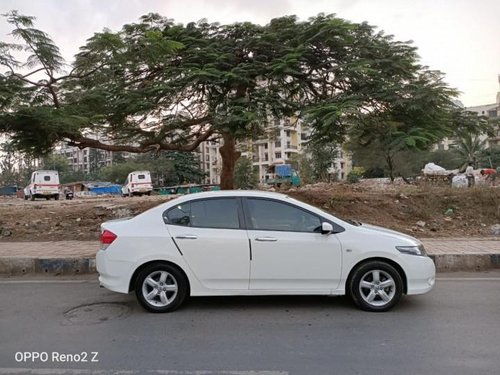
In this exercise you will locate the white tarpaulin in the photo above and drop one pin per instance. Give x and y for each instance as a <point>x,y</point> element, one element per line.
<point>434,169</point>
<point>459,181</point>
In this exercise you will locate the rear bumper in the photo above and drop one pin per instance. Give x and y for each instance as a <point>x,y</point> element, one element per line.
<point>140,190</point>
<point>45,192</point>
<point>113,275</point>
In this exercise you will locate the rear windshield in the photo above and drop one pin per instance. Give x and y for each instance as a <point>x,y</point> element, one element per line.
<point>141,177</point>
<point>46,178</point>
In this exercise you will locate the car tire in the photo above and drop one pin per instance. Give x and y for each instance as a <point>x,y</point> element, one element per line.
<point>161,288</point>
<point>32,197</point>
<point>375,286</point>
<point>56,197</point>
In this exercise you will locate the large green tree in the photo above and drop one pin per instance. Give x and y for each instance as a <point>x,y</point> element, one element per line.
<point>156,85</point>
<point>416,116</point>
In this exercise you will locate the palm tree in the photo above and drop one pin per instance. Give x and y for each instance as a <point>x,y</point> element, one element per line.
<point>470,146</point>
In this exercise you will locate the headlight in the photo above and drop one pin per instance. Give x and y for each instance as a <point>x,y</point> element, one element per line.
<point>412,250</point>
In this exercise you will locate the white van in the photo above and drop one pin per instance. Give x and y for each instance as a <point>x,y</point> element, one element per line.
<point>43,184</point>
<point>138,183</point>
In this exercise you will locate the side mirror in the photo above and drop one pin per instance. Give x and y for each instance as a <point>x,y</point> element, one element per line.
<point>326,228</point>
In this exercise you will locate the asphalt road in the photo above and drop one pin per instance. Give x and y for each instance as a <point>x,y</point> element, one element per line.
<point>77,328</point>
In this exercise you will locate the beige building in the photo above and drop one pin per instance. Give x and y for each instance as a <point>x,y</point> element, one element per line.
<point>210,161</point>
<point>490,111</point>
<point>284,139</point>
<point>85,160</point>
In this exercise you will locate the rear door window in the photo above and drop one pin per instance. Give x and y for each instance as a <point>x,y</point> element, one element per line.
<point>206,213</point>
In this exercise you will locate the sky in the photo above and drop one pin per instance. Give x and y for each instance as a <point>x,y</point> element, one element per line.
<point>458,37</point>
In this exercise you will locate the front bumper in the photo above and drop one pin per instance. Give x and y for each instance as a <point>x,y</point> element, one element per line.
<point>420,274</point>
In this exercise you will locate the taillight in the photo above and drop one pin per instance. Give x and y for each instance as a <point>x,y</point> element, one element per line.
<point>107,239</point>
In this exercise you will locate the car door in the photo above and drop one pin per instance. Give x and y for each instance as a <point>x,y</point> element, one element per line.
<point>288,250</point>
<point>209,234</point>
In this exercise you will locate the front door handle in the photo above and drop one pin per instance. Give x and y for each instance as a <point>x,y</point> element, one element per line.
<point>186,237</point>
<point>266,239</point>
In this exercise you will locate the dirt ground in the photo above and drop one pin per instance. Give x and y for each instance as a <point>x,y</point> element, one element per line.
<point>427,211</point>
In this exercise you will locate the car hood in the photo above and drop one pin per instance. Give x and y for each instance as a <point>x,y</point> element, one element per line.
<point>389,233</point>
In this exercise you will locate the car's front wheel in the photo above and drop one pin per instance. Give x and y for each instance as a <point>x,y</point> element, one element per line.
<point>376,286</point>
<point>161,288</point>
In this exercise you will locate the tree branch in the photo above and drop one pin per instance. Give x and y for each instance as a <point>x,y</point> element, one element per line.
<point>84,142</point>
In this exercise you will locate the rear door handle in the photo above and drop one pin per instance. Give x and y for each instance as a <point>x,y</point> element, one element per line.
<point>266,239</point>
<point>186,237</point>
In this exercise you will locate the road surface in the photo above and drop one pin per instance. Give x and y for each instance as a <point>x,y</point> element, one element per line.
<point>59,326</point>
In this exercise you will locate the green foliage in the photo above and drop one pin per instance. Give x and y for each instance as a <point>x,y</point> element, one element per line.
<point>118,173</point>
<point>448,159</point>
<point>321,157</point>
<point>185,168</point>
<point>470,147</point>
<point>404,163</point>
<point>469,131</point>
<point>355,175</point>
<point>132,86</point>
<point>15,168</point>
<point>170,168</point>
<point>490,157</point>
<point>302,163</point>
<point>245,177</point>
<point>55,162</point>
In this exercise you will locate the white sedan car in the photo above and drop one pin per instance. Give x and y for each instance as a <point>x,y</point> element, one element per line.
<point>256,243</point>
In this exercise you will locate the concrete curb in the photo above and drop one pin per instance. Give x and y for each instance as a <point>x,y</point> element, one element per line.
<point>465,262</point>
<point>15,266</point>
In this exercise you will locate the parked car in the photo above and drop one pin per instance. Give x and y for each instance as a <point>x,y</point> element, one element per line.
<point>137,183</point>
<point>43,184</point>
<point>257,243</point>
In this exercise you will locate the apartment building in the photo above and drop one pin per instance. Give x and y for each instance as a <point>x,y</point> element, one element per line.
<point>283,140</point>
<point>491,111</point>
<point>210,161</point>
<point>85,160</point>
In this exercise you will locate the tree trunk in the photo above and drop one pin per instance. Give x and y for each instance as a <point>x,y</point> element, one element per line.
<point>229,157</point>
<point>390,165</point>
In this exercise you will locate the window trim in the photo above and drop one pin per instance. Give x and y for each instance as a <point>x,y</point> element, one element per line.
<point>241,217</point>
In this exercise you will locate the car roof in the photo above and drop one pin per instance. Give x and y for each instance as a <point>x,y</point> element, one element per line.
<point>235,193</point>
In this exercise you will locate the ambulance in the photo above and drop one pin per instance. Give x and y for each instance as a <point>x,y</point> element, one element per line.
<point>43,184</point>
<point>137,183</point>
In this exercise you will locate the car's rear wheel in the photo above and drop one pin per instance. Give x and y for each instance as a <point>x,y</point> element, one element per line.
<point>161,288</point>
<point>376,286</point>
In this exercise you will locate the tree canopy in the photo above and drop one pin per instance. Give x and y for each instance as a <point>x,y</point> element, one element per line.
<point>158,85</point>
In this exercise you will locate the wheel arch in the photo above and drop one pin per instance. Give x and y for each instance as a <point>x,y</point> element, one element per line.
<point>379,259</point>
<point>133,279</point>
